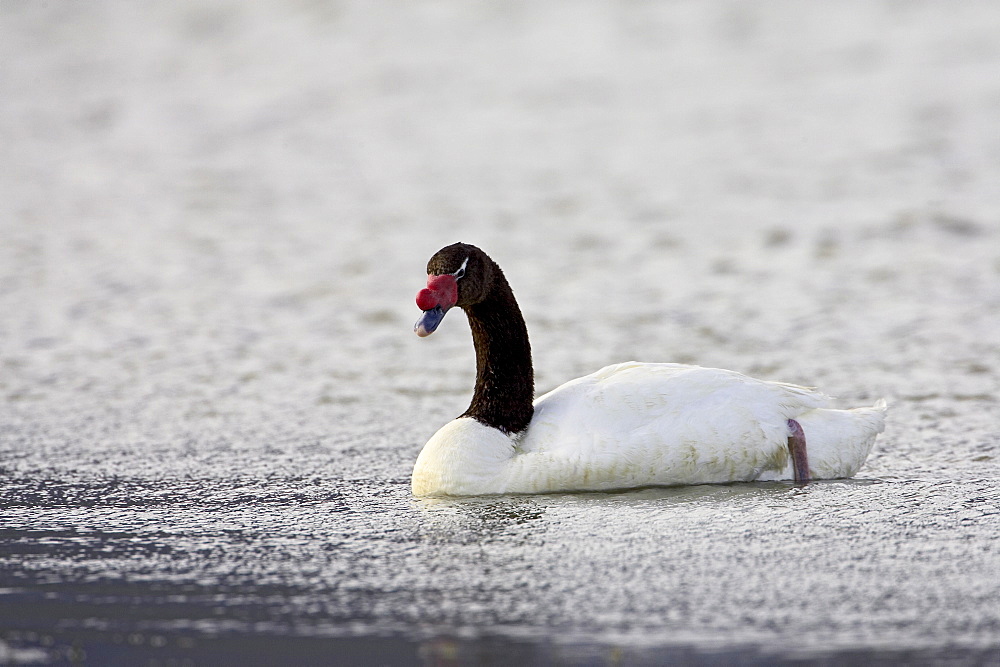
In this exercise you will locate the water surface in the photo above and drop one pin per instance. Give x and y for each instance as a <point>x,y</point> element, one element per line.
<point>215,219</point>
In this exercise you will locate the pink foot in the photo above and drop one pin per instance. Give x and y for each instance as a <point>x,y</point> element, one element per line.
<point>797,448</point>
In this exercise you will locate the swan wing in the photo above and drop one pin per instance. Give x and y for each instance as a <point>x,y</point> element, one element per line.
<point>636,423</point>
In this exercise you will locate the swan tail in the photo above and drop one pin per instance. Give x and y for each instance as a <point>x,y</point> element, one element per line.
<point>839,441</point>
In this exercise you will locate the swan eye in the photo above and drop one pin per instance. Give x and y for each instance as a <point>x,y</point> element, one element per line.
<point>461,270</point>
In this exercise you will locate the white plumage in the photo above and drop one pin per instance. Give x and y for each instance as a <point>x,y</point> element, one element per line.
<point>636,424</point>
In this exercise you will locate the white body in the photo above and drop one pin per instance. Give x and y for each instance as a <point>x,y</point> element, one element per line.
<point>635,424</point>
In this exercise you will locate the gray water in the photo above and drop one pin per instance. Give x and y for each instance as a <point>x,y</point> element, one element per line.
<point>214,219</point>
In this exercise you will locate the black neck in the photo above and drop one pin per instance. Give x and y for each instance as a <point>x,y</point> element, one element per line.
<point>505,382</point>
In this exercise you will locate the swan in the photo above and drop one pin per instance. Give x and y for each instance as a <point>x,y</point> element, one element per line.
<point>627,425</point>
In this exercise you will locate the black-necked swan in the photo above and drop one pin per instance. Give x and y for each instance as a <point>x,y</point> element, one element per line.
<point>628,425</point>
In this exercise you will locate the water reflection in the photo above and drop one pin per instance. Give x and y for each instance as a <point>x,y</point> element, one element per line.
<point>517,509</point>
<point>479,517</point>
<point>678,495</point>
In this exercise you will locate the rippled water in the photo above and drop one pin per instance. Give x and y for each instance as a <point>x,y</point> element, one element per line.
<point>214,220</point>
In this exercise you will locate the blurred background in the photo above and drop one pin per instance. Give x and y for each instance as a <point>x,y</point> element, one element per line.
<point>209,203</point>
<point>214,218</point>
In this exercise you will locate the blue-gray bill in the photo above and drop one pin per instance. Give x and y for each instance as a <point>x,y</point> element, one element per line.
<point>429,321</point>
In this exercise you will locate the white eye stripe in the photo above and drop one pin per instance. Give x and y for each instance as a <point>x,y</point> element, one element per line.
<point>461,270</point>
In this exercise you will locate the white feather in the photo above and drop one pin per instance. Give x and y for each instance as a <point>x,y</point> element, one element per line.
<point>634,424</point>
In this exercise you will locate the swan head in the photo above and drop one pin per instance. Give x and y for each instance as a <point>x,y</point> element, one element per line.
<point>457,275</point>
